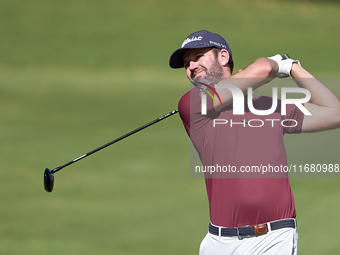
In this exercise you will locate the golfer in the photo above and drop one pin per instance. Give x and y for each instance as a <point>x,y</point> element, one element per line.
<point>247,215</point>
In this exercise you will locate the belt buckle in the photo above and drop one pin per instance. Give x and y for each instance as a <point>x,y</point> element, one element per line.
<point>260,229</point>
<point>240,237</point>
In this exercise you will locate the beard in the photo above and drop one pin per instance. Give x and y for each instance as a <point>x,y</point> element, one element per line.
<point>213,74</point>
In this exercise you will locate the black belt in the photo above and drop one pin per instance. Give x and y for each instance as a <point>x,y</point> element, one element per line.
<point>248,231</point>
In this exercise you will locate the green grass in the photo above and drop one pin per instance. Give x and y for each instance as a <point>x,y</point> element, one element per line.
<point>77,74</point>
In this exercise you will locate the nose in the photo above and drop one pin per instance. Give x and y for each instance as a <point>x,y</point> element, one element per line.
<point>192,65</point>
<point>191,68</point>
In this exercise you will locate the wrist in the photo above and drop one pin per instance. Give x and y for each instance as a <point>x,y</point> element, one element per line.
<point>299,72</point>
<point>285,65</point>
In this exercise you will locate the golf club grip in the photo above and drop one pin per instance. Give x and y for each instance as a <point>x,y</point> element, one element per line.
<point>116,140</point>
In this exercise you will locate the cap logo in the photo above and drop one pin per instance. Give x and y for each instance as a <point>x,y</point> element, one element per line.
<point>188,40</point>
<point>218,45</point>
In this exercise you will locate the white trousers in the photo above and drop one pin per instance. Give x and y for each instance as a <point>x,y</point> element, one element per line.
<point>282,241</point>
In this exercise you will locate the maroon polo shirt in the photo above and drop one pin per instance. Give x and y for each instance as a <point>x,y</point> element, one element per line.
<point>249,140</point>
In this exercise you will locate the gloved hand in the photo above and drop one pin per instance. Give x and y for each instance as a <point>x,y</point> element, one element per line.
<point>285,64</point>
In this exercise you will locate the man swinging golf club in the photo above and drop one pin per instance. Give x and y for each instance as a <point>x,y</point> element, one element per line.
<point>247,215</point>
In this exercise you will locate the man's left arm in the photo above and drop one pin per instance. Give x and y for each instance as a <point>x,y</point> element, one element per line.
<point>324,105</point>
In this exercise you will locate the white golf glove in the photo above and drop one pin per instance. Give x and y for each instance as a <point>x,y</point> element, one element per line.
<point>285,65</point>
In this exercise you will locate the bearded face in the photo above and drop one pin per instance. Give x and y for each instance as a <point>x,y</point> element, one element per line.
<point>207,75</point>
<point>202,66</point>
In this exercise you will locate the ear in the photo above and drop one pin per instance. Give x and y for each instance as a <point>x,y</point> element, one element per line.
<point>224,57</point>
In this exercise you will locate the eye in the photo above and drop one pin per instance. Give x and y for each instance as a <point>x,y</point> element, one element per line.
<point>195,58</point>
<point>198,57</point>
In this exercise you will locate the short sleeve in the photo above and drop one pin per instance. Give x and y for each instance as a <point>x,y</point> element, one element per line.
<point>189,108</point>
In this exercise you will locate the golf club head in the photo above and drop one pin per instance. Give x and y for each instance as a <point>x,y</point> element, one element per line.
<point>48,180</point>
<point>285,56</point>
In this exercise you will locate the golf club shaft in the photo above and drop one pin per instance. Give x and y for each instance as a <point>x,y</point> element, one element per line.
<point>114,141</point>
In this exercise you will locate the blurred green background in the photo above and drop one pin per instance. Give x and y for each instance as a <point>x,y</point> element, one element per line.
<point>77,74</point>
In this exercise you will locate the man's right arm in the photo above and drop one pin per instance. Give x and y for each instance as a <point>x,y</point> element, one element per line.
<point>324,105</point>
<point>258,73</point>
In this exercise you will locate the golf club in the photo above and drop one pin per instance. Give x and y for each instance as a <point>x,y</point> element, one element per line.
<point>48,174</point>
